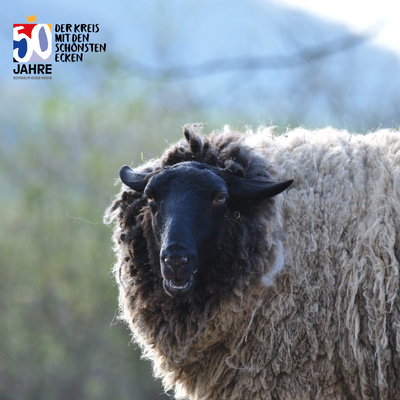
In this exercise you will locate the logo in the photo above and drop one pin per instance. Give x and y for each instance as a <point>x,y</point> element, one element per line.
<point>32,42</point>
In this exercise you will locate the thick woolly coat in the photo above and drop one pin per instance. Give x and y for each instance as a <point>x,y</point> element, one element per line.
<point>302,301</point>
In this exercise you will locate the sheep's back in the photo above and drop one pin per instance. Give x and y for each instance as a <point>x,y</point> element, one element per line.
<point>342,221</point>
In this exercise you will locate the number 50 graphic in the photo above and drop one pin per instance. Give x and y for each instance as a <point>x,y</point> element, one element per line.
<point>32,43</point>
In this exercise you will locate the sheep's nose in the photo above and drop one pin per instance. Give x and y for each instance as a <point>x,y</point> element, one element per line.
<point>177,262</point>
<point>176,267</point>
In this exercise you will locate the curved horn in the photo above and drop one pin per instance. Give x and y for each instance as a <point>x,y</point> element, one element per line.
<point>135,180</point>
<point>252,189</point>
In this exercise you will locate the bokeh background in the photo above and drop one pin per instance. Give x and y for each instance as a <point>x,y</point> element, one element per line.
<point>62,142</point>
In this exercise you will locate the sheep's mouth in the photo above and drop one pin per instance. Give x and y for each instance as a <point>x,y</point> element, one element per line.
<point>178,287</point>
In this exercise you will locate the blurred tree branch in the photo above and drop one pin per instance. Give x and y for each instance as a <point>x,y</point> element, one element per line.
<point>301,57</point>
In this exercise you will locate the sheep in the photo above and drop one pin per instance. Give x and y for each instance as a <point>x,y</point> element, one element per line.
<point>256,266</point>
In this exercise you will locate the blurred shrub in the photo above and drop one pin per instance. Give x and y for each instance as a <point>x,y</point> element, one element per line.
<point>59,337</point>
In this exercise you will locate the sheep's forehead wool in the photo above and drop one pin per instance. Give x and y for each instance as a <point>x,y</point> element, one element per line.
<point>303,300</point>
<point>185,177</point>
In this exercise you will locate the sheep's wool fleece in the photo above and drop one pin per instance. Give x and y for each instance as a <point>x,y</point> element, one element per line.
<point>322,322</point>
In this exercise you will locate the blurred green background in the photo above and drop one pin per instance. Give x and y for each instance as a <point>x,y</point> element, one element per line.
<point>59,337</point>
<point>63,141</point>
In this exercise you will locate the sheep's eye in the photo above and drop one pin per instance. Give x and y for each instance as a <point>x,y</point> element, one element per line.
<point>149,197</point>
<point>220,198</point>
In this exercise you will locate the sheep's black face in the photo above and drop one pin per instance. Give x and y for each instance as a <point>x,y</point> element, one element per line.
<point>188,203</point>
<point>188,206</point>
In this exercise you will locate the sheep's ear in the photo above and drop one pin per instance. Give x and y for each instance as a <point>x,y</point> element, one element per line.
<point>135,180</point>
<point>253,189</point>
